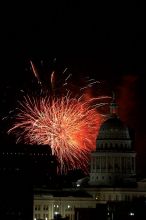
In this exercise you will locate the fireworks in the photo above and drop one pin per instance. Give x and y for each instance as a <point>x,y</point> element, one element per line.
<point>69,125</point>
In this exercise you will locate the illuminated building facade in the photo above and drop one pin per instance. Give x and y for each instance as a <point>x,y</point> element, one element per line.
<point>112,179</point>
<point>113,162</point>
<point>48,204</point>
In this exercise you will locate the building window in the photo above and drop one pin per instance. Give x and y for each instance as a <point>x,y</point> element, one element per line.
<point>98,196</point>
<point>45,207</point>
<point>116,164</point>
<point>127,198</point>
<point>68,208</point>
<point>103,197</point>
<point>93,163</point>
<point>123,164</point>
<point>45,216</point>
<point>37,208</point>
<point>97,163</point>
<point>103,163</point>
<point>129,163</point>
<point>37,216</point>
<point>133,163</point>
<point>109,163</point>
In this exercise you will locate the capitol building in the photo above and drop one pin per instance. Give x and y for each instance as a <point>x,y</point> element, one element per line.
<point>112,178</point>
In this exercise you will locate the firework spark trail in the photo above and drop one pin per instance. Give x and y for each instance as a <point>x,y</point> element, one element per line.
<point>53,80</point>
<point>35,71</point>
<point>68,125</point>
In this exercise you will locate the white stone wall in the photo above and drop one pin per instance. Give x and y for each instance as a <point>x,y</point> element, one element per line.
<point>45,208</point>
<point>107,167</point>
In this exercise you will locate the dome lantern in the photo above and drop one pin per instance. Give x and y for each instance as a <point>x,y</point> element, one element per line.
<point>113,106</point>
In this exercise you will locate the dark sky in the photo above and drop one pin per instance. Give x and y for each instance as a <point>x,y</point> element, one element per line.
<point>106,40</point>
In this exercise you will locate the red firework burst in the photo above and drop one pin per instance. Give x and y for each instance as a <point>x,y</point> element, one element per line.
<point>68,125</point>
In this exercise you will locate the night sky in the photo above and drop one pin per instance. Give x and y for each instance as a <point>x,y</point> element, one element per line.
<point>103,40</point>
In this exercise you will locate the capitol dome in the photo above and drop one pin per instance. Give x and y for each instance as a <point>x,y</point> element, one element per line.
<point>113,133</point>
<point>113,161</point>
<point>113,128</point>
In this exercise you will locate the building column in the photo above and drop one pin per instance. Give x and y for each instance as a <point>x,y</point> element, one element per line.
<point>131,164</point>
<point>100,163</point>
<point>134,165</point>
<point>113,164</point>
<point>106,164</point>
<point>91,164</point>
<point>95,164</point>
<point>120,165</point>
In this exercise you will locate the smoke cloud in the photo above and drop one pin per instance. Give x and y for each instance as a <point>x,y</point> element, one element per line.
<point>127,99</point>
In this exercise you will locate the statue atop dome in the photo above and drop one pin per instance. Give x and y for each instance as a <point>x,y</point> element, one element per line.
<point>113,106</point>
